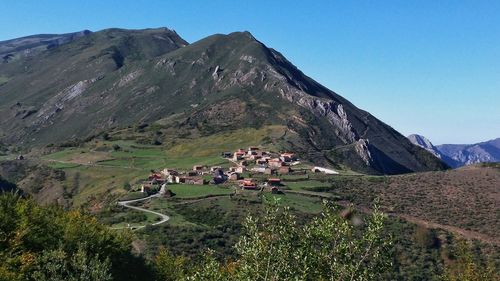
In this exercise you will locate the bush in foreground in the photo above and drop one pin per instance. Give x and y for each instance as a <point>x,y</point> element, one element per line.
<point>47,243</point>
<point>275,247</point>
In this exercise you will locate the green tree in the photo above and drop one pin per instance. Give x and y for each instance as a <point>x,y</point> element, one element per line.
<point>211,270</point>
<point>31,236</point>
<point>170,267</point>
<point>275,247</point>
<point>467,268</point>
<point>57,265</point>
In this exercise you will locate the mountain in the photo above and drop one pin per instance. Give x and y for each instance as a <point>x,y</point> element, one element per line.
<point>466,154</point>
<point>32,45</point>
<point>424,143</point>
<point>457,155</point>
<point>115,79</point>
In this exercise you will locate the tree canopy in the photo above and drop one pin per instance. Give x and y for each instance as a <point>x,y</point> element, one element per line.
<point>48,243</point>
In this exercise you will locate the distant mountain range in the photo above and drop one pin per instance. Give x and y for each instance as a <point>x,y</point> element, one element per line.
<point>80,85</point>
<point>457,155</point>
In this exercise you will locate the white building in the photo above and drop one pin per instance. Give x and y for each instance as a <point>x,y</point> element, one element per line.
<point>324,170</point>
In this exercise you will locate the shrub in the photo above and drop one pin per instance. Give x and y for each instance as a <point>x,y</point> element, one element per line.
<point>47,243</point>
<point>467,268</point>
<point>329,248</point>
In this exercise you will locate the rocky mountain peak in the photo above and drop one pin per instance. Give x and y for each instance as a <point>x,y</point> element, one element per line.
<point>421,141</point>
<point>425,144</point>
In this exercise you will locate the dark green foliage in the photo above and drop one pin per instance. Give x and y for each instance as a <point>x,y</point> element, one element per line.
<point>33,239</point>
<point>6,186</point>
<point>127,186</point>
<point>170,267</point>
<point>275,247</point>
<point>466,267</point>
<point>57,265</point>
<point>117,214</point>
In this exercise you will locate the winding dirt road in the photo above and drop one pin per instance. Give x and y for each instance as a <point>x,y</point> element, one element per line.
<point>164,218</point>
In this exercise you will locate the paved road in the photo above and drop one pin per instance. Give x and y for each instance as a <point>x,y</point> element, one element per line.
<point>164,218</point>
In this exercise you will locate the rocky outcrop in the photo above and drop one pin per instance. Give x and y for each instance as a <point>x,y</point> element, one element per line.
<point>425,144</point>
<point>57,103</point>
<point>362,147</point>
<point>217,72</point>
<point>130,77</point>
<point>329,109</point>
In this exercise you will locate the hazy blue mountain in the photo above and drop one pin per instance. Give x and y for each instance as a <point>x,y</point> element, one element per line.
<point>457,155</point>
<point>465,154</point>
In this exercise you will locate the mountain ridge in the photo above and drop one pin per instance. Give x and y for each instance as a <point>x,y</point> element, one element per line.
<point>457,155</point>
<point>117,78</point>
<point>33,44</point>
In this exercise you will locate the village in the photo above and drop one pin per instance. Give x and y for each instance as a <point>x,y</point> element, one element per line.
<point>250,169</point>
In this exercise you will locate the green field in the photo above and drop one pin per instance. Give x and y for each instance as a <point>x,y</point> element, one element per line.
<point>193,191</point>
<point>105,167</point>
<point>131,155</point>
<point>294,177</point>
<point>96,182</point>
<point>230,141</point>
<point>133,195</point>
<point>60,165</point>
<point>166,206</point>
<point>297,202</point>
<point>304,185</point>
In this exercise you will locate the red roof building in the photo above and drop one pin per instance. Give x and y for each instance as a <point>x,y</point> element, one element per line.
<point>238,155</point>
<point>284,170</point>
<point>155,176</point>
<point>274,162</point>
<point>274,181</point>
<point>248,184</point>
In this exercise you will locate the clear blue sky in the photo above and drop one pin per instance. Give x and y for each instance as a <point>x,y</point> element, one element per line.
<point>428,67</point>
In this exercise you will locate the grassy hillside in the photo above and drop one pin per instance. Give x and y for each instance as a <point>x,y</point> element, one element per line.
<point>152,87</point>
<point>466,198</point>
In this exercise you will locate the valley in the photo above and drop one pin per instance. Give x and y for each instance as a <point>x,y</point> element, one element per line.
<point>181,148</point>
<point>210,215</point>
